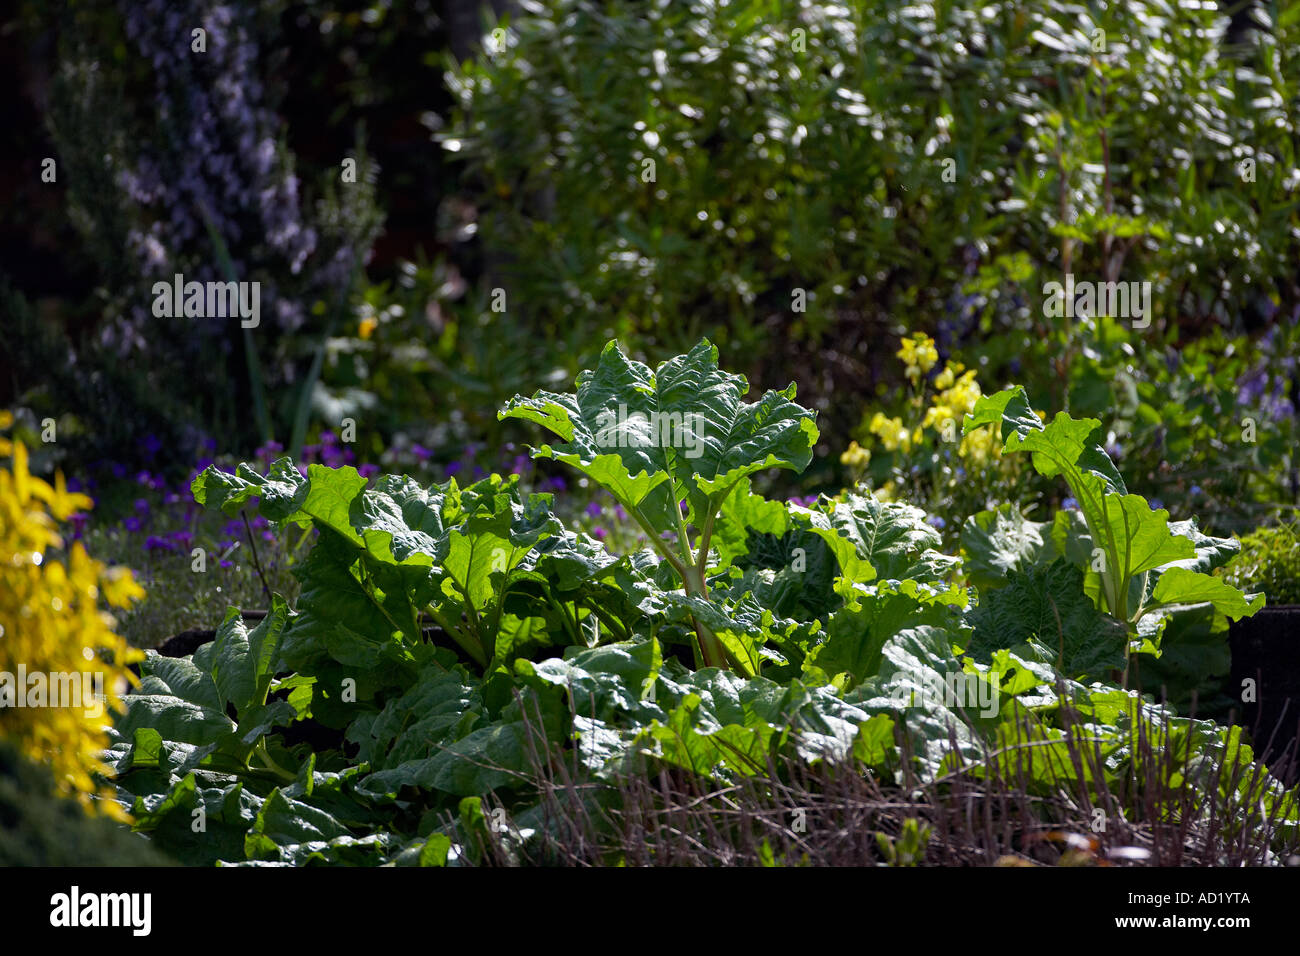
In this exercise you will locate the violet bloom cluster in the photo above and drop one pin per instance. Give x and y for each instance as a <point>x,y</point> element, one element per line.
<point>1267,386</point>
<point>216,159</point>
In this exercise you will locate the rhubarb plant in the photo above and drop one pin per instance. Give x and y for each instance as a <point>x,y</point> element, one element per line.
<point>1139,566</point>
<point>449,642</point>
<point>670,444</point>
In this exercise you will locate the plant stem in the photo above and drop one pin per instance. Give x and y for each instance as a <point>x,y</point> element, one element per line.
<point>470,647</point>
<point>275,768</point>
<point>257,561</point>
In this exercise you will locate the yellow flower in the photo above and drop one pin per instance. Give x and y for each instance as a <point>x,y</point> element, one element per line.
<point>855,456</point>
<point>51,624</point>
<point>980,446</point>
<point>892,432</point>
<point>938,416</point>
<point>367,326</point>
<point>918,354</point>
<point>963,395</point>
<point>944,379</point>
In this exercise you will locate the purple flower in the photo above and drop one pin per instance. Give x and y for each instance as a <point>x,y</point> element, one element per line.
<point>150,444</point>
<point>155,543</point>
<point>183,539</point>
<point>1156,504</point>
<point>1276,404</point>
<point>118,470</point>
<point>1250,387</point>
<point>142,506</point>
<point>1195,490</point>
<point>936,522</point>
<point>619,513</point>
<point>1070,504</point>
<point>132,524</point>
<point>268,451</point>
<point>422,454</point>
<point>233,528</point>
<point>599,533</point>
<point>226,564</point>
<point>594,509</point>
<point>452,468</point>
<point>144,478</point>
<point>368,470</point>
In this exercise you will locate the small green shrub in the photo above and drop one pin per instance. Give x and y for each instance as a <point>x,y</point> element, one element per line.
<point>1269,562</point>
<point>37,829</point>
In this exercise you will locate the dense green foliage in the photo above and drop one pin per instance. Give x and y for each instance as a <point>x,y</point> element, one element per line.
<point>38,831</point>
<point>448,639</point>
<point>1270,562</point>
<point>940,162</point>
<point>417,622</point>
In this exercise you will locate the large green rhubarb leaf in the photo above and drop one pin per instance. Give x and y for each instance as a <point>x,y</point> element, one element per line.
<point>1134,544</point>
<point>1066,447</point>
<point>887,539</point>
<point>681,431</point>
<point>1179,586</point>
<point>1043,613</point>
<point>996,543</point>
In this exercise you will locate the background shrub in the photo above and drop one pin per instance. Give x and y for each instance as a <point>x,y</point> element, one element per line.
<point>804,147</point>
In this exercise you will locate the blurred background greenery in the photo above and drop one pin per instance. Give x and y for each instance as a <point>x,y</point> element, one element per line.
<point>806,184</point>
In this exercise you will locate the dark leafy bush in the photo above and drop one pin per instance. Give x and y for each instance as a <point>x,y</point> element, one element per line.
<point>904,165</point>
<point>38,829</point>
<point>1269,562</point>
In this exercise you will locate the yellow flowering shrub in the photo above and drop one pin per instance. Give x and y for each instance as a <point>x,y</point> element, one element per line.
<point>955,395</point>
<point>932,462</point>
<point>52,625</point>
